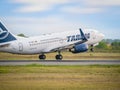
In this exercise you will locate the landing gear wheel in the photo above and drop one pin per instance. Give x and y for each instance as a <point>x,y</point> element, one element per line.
<point>59,57</point>
<point>92,48</point>
<point>42,57</point>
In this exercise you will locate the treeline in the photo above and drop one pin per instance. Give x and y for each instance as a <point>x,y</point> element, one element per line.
<point>109,44</point>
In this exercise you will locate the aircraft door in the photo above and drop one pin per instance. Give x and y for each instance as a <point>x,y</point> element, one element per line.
<point>20,47</point>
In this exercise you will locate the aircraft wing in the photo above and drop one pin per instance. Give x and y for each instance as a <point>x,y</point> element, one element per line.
<point>83,39</point>
<point>62,48</point>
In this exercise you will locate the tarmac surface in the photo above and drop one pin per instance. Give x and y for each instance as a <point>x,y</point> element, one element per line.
<point>62,62</point>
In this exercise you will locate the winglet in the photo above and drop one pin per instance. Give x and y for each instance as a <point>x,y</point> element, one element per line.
<point>82,35</point>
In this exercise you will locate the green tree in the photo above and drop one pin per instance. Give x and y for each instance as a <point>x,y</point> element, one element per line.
<point>115,45</point>
<point>102,45</point>
<point>21,35</point>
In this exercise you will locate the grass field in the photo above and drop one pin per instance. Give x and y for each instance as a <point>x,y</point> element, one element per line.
<point>66,55</point>
<point>39,77</point>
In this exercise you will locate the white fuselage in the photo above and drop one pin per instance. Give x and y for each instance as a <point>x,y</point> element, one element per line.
<point>49,42</point>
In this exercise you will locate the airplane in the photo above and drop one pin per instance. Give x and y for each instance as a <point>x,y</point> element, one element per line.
<point>75,41</point>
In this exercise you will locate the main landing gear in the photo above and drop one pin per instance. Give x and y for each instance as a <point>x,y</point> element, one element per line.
<point>92,48</point>
<point>42,57</point>
<point>58,56</point>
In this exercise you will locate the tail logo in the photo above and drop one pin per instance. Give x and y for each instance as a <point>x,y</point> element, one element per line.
<point>3,34</point>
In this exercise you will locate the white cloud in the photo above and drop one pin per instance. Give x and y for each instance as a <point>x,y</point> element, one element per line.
<point>85,6</point>
<point>37,26</point>
<point>102,2</point>
<point>37,5</point>
<point>89,6</point>
<point>79,10</point>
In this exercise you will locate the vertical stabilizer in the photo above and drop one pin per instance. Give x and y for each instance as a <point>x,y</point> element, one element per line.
<point>5,35</point>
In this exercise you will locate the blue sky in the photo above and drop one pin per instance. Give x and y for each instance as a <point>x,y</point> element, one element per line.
<point>36,17</point>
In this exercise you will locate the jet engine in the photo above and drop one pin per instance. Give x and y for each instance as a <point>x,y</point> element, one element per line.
<point>79,48</point>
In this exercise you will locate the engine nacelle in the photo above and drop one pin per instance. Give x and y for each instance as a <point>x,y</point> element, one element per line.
<point>79,48</point>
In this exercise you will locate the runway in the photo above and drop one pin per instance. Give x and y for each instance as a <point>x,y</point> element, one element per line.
<point>63,62</point>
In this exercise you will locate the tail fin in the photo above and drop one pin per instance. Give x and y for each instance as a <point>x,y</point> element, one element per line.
<point>5,35</point>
